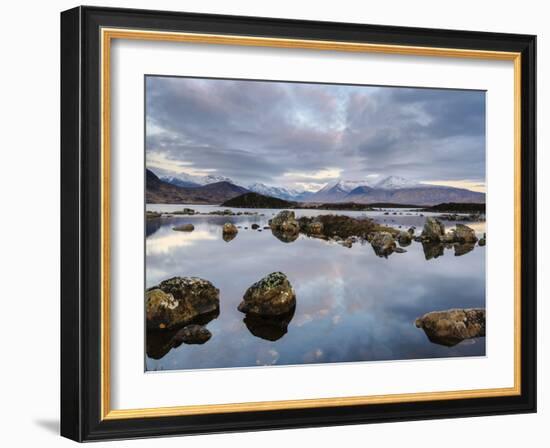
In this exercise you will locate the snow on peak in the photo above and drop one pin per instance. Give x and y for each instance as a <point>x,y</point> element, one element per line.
<point>183,178</point>
<point>278,192</point>
<point>395,183</point>
<point>346,185</point>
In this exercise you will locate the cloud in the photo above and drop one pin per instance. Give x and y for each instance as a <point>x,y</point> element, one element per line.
<point>296,134</point>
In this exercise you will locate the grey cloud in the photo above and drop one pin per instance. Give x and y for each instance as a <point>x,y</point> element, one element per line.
<point>257,131</point>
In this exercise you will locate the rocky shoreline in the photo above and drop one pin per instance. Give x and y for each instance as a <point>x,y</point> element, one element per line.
<point>347,231</point>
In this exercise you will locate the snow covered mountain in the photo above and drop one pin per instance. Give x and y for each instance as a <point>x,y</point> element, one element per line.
<point>395,183</point>
<point>189,181</point>
<point>337,191</point>
<point>289,194</point>
<point>391,189</point>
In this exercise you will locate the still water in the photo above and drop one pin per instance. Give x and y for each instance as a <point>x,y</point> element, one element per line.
<point>351,304</point>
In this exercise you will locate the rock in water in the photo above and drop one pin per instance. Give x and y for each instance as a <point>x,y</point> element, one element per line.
<point>254,226</point>
<point>482,241</point>
<point>271,296</point>
<point>184,228</point>
<point>229,229</point>
<point>453,326</point>
<point>404,239</point>
<point>285,221</point>
<point>180,300</point>
<point>433,230</point>
<point>465,234</point>
<point>383,244</point>
<point>192,334</point>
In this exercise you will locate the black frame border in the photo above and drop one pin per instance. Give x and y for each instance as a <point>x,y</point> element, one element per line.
<point>81,223</point>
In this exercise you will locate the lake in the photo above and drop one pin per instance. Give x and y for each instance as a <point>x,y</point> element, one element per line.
<point>351,305</point>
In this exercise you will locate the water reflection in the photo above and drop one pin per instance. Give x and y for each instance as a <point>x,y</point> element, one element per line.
<point>269,328</point>
<point>285,237</point>
<point>432,250</point>
<point>351,305</point>
<point>159,343</point>
<point>227,237</point>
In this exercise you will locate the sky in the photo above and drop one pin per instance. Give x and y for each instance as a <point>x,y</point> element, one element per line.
<point>303,135</point>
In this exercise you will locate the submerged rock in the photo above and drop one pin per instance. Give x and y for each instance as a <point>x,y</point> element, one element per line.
<point>184,228</point>
<point>178,301</point>
<point>453,326</point>
<point>271,296</point>
<point>192,334</point>
<point>383,244</point>
<point>433,230</point>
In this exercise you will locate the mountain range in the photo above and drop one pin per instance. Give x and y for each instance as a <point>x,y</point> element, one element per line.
<point>392,189</point>
<point>159,191</point>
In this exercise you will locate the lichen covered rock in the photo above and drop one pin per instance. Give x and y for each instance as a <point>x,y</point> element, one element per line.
<point>285,221</point>
<point>433,230</point>
<point>229,229</point>
<point>383,244</point>
<point>465,234</point>
<point>178,301</point>
<point>453,326</point>
<point>271,296</point>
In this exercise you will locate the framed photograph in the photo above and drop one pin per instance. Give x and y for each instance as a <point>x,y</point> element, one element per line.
<point>273,223</point>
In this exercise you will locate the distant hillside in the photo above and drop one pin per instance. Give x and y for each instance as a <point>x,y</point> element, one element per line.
<point>453,207</point>
<point>257,200</point>
<point>349,206</point>
<point>160,192</point>
<point>394,190</point>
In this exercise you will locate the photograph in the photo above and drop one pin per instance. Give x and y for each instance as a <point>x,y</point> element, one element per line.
<point>292,223</point>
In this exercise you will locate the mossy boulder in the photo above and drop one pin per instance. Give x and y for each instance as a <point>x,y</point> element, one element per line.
<point>271,296</point>
<point>178,301</point>
<point>229,229</point>
<point>285,222</point>
<point>465,234</point>
<point>383,244</point>
<point>453,326</point>
<point>433,230</point>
